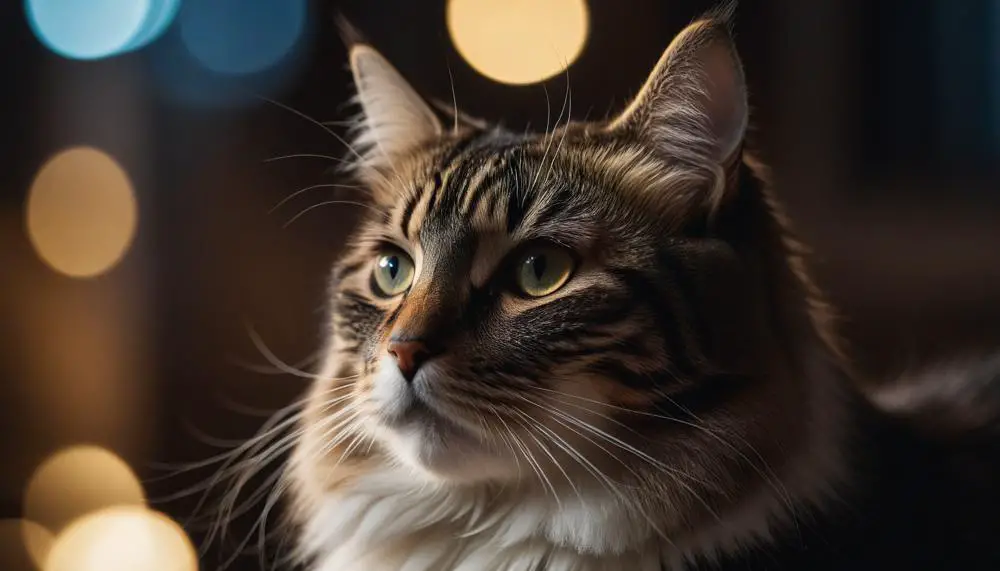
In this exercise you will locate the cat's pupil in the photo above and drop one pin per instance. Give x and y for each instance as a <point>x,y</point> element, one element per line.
<point>392,265</point>
<point>538,266</point>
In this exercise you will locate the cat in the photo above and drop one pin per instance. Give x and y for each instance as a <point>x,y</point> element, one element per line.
<point>599,348</point>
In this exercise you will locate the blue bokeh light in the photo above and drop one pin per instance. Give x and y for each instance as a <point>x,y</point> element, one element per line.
<point>158,19</point>
<point>229,37</point>
<point>94,29</point>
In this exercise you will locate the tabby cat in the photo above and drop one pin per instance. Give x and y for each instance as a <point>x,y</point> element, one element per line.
<point>598,348</point>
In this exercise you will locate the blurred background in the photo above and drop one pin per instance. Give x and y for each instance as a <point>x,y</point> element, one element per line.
<point>155,248</point>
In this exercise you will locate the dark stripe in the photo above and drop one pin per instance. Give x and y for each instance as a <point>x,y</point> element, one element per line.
<point>633,346</point>
<point>707,393</point>
<point>488,185</point>
<point>458,181</point>
<point>591,307</point>
<point>477,194</point>
<point>494,203</point>
<point>411,205</point>
<point>690,292</point>
<point>519,203</point>
<point>582,349</point>
<point>543,563</point>
<point>557,204</point>
<point>452,162</point>
<point>356,315</point>
<point>356,297</point>
<point>351,268</point>
<point>457,149</point>
<point>645,290</point>
<point>391,319</point>
<point>435,192</point>
<point>638,380</point>
<point>355,346</point>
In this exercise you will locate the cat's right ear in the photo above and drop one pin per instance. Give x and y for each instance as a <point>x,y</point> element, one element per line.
<point>394,119</point>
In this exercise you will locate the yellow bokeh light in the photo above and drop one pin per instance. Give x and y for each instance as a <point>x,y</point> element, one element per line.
<point>78,481</point>
<point>82,212</point>
<point>518,41</point>
<point>24,545</point>
<point>123,539</point>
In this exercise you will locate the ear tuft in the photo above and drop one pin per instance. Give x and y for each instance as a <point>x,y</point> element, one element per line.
<point>349,34</point>
<point>394,119</point>
<point>723,13</point>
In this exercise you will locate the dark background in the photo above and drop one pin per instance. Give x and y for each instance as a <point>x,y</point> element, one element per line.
<point>881,119</point>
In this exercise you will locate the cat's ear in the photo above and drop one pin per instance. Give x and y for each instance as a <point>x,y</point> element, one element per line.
<point>394,119</point>
<point>693,106</point>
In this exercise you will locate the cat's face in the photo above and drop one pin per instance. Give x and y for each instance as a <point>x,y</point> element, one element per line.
<point>510,292</point>
<point>565,310</point>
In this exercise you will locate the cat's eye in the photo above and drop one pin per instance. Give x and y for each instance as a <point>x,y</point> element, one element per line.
<point>393,273</point>
<point>544,270</point>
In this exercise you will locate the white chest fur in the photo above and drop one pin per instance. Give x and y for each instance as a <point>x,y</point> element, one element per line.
<point>383,523</point>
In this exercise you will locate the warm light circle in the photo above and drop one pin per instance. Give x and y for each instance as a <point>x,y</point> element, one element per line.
<point>518,41</point>
<point>82,212</point>
<point>78,481</point>
<point>24,545</point>
<point>123,539</point>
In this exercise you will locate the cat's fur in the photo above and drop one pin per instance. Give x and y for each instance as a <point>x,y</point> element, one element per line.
<point>681,402</point>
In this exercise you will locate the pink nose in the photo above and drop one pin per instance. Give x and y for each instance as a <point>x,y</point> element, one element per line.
<point>409,356</point>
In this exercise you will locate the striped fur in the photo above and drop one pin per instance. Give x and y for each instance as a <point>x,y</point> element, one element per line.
<point>676,399</point>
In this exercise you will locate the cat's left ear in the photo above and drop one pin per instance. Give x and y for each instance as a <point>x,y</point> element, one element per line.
<point>693,107</point>
<point>394,118</point>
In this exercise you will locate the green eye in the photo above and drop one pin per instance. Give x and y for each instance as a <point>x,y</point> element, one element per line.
<point>393,273</point>
<point>543,271</point>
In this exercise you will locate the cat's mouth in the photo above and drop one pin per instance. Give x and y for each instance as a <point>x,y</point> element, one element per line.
<point>417,413</point>
<point>410,405</point>
<point>421,432</point>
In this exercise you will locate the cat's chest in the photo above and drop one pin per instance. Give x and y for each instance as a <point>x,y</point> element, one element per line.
<point>377,528</point>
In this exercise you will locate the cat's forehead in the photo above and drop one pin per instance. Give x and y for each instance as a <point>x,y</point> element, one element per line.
<point>514,187</point>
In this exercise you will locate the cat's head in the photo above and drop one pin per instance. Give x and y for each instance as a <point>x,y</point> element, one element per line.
<point>606,304</point>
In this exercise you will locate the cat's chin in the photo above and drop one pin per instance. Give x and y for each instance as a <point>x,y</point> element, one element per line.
<point>445,454</point>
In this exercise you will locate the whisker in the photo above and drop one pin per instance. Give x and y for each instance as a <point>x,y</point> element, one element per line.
<point>767,473</point>
<point>548,453</point>
<point>454,99</point>
<point>548,142</point>
<point>544,430</point>
<point>677,475</point>
<point>305,156</point>
<point>565,130</point>
<point>332,202</point>
<point>517,461</point>
<point>282,366</point>
<point>302,191</point>
<point>325,128</point>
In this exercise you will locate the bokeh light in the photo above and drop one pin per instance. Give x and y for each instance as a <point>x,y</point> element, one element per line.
<point>518,41</point>
<point>24,545</point>
<point>158,18</point>
<point>82,212</point>
<point>98,28</point>
<point>123,539</point>
<point>79,481</point>
<point>228,37</point>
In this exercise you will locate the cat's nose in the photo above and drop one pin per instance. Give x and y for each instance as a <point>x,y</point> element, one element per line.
<point>409,354</point>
